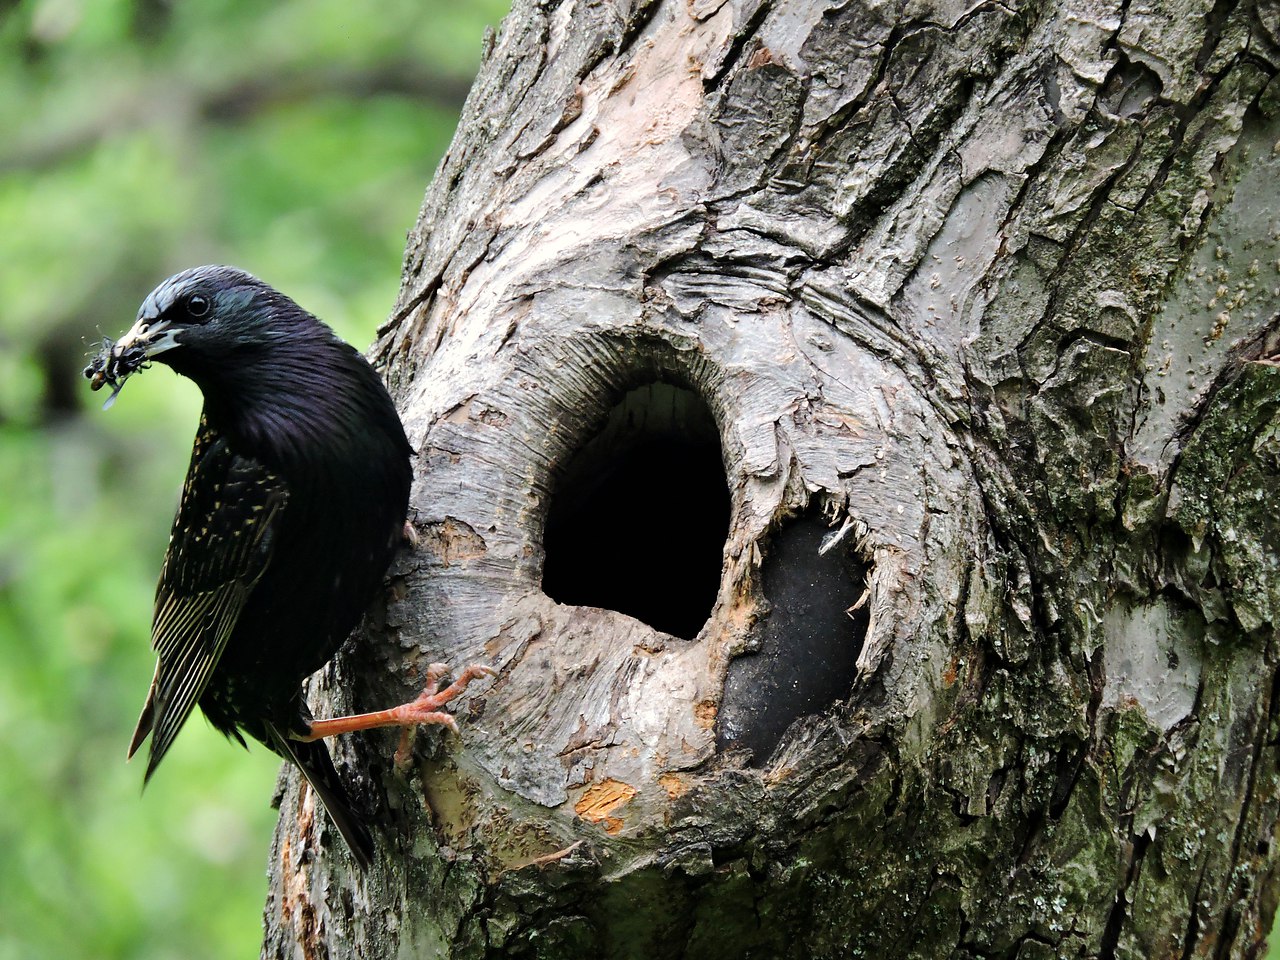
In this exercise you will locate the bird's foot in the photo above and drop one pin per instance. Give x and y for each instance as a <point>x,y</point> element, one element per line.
<point>425,709</point>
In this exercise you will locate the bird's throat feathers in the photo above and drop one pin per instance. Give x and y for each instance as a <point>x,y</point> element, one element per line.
<point>299,400</point>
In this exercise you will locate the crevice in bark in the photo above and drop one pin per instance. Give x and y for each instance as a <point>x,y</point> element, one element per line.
<point>632,29</point>
<point>1193,922</point>
<point>1215,22</point>
<point>746,34</point>
<point>1079,237</point>
<point>638,520</point>
<point>1070,764</point>
<point>1245,829</point>
<point>1262,343</point>
<point>1115,920</point>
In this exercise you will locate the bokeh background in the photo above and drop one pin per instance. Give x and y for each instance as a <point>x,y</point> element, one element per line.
<point>139,137</point>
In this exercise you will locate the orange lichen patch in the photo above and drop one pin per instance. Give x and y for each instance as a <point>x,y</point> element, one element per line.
<point>674,784</point>
<point>734,621</point>
<point>949,673</point>
<point>461,413</point>
<point>286,873</point>
<point>705,713</point>
<point>778,774</point>
<point>469,410</point>
<point>601,799</point>
<point>296,908</point>
<point>453,541</point>
<point>306,809</point>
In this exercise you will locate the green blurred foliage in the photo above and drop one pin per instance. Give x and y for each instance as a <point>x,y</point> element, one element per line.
<point>294,139</point>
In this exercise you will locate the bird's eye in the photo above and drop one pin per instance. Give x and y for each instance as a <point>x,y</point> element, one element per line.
<point>198,306</point>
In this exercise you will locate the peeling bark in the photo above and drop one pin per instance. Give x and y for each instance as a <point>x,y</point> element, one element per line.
<point>984,302</point>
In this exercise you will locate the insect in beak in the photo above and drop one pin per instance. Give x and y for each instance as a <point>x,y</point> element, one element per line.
<point>114,365</point>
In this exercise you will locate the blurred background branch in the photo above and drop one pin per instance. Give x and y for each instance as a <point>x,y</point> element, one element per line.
<point>239,100</point>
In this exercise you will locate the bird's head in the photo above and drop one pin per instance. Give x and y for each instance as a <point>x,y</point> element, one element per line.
<point>272,374</point>
<point>207,313</point>
<point>213,324</point>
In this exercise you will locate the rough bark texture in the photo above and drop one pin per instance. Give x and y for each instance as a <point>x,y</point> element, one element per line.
<point>980,300</point>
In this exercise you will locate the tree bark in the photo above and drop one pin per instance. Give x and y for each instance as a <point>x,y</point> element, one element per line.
<point>978,306</point>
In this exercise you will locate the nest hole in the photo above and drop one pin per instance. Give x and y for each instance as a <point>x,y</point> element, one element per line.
<point>806,646</point>
<point>639,516</point>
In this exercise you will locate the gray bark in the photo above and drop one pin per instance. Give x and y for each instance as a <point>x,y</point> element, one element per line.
<point>982,301</point>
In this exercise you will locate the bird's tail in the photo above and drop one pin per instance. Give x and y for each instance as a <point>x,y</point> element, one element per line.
<point>313,759</point>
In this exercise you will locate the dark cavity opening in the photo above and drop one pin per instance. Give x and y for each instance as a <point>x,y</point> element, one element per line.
<point>807,644</point>
<point>639,516</point>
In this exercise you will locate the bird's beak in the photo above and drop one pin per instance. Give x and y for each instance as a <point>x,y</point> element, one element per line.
<point>150,335</point>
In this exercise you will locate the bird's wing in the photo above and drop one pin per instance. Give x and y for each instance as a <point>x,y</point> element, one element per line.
<point>221,542</point>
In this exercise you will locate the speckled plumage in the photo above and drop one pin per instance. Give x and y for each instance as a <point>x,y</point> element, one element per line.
<point>293,506</point>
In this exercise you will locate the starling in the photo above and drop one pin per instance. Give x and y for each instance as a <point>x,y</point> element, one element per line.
<point>293,506</point>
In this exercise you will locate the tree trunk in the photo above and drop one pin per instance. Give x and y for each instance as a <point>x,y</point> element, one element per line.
<point>885,398</point>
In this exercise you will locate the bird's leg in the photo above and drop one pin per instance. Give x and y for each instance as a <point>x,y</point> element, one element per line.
<point>425,709</point>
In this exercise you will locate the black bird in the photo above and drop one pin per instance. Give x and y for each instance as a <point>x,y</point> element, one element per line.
<point>293,506</point>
